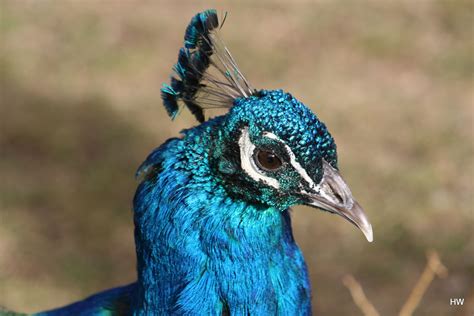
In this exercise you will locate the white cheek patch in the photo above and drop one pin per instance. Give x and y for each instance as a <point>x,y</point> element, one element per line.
<point>301,171</point>
<point>248,164</point>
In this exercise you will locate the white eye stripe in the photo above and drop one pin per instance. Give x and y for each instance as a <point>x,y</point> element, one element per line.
<point>301,171</point>
<point>248,164</point>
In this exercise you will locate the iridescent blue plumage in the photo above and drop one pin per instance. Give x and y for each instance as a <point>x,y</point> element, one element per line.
<point>212,220</point>
<point>116,301</point>
<point>213,249</point>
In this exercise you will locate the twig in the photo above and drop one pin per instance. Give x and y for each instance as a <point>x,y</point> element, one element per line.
<point>433,268</point>
<point>359,297</point>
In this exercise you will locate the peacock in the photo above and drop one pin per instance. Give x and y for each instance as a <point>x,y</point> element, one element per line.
<point>212,217</point>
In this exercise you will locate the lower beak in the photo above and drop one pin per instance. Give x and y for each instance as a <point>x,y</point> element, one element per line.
<point>332,194</point>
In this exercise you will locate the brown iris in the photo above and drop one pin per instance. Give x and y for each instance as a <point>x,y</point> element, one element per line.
<point>268,160</point>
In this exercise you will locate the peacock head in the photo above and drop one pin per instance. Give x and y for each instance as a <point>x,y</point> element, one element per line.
<point>269,149</point>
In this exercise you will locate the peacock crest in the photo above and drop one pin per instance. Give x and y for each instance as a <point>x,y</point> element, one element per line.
<point>206,75</point>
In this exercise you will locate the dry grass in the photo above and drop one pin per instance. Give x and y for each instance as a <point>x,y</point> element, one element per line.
<point>433,268</point>
<point>80,108</point>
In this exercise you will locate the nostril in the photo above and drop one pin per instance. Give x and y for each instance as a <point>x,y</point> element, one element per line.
<point>339,197</point>
<point>336,194</point>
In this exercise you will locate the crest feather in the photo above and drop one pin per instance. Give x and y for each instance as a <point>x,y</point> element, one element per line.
<point>206,75</point>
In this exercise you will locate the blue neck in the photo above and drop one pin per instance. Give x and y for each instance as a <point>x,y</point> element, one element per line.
<point>201,252</point>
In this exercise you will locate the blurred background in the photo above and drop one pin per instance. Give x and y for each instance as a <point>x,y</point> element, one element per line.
<point>80,109</point>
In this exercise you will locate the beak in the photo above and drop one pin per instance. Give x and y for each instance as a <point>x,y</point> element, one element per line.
<point>332,194</point>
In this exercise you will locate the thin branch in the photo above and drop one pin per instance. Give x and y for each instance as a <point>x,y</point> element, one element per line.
<point>433,268</point>
<point>359,297</point>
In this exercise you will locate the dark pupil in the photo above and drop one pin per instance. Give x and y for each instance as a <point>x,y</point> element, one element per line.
<point>268,160</point>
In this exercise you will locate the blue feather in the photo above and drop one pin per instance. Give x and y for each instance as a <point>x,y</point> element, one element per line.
<point>229,252</point>
<point>117,301</point>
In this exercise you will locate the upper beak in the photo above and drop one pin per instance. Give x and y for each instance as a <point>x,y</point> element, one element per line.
<point>332,194</point>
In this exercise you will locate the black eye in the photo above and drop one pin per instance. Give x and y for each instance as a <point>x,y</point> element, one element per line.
<point>268,160</point>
